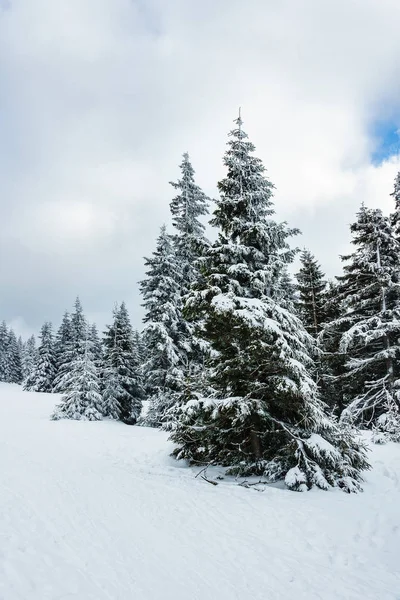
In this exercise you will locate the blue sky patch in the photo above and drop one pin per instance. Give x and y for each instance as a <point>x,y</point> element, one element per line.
<point>386,135</point>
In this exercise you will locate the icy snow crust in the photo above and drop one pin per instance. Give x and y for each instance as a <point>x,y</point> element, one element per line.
<point>99,511</point>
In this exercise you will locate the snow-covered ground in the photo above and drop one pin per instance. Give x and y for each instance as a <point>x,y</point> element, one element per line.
<point>96,511</point>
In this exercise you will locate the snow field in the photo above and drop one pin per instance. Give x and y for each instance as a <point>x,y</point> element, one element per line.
<point>99,510</point>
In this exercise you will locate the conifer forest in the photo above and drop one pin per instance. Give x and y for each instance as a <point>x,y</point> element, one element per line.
<point>246,364</point>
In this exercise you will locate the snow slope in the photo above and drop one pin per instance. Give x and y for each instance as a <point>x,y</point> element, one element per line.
<point>96,511</point>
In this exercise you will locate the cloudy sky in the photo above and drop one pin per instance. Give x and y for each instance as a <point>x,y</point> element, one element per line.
<point>99,99</point>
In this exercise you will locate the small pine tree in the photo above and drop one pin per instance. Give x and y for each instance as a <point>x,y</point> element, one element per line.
<point>96,343</point>
<point>70,343</point>
<point>83,400</point>
<point>311,287</point>
<point>29,356</point>
<point>4,341</point>
<point>265,416</point>
<point>41,379</point>
<point>121,378</point>
<point>78,327</point>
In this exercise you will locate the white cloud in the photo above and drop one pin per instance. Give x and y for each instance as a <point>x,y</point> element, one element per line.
<point>101,99</point>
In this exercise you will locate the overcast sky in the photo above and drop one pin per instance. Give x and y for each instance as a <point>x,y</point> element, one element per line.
<point>100,98</point>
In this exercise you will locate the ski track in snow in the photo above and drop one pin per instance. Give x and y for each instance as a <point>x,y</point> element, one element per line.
<point>99,511</point>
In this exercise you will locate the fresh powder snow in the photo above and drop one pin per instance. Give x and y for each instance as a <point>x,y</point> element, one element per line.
<point>100,511</point>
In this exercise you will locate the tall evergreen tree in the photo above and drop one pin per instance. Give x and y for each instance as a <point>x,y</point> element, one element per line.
<point>166,353</point>
<point>122,388</point>
<point>311,287</point>
<point>187,206</point>
<point>41,379</point>
<point>265,417</point>
<point>71,342</point>
<point>370,338</point>
<point>29,355</point>
<point>83,400</point>
<point>189,243</point>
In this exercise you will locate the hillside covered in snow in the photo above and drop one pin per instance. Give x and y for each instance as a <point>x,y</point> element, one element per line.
<point>100,511</point>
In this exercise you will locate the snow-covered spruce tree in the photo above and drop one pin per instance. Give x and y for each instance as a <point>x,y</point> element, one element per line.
<point>97,345</point>
<point>332,384</point>
<point>311,287</point>
<point>186,207</point>
<point>189,243</point>
<point>70,343</point>
<point>4,341</point>
<point>83,400</point>
<point>371,337</point>
<point>166,344</point>
<point>121,378</point>
<point>29,355</point>
<point>63,350</point>
<point>14,359</point>
<point>79,328</point>
<point>265,417</point>
<point>41,378</point>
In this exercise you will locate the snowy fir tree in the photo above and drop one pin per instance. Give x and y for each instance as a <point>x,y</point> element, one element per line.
<point>41,379</point>
<point>186,207</point>
<point>370,339</point>
<point>331,361</point>
<point>63,351</point>
<point>10,355</point>
<point>121,377</point>
<point>139,346</point>
<point>311,287</point>
<point>71,340</point>
<point>29,354</point>
<point>83,400</point>
<point>79,328</point>
<point>166,361</point>
<point>189,242</point>
<point>96,344</point>
<point>4,341</point>
<point>265,416</point>
<point>13,358</point>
